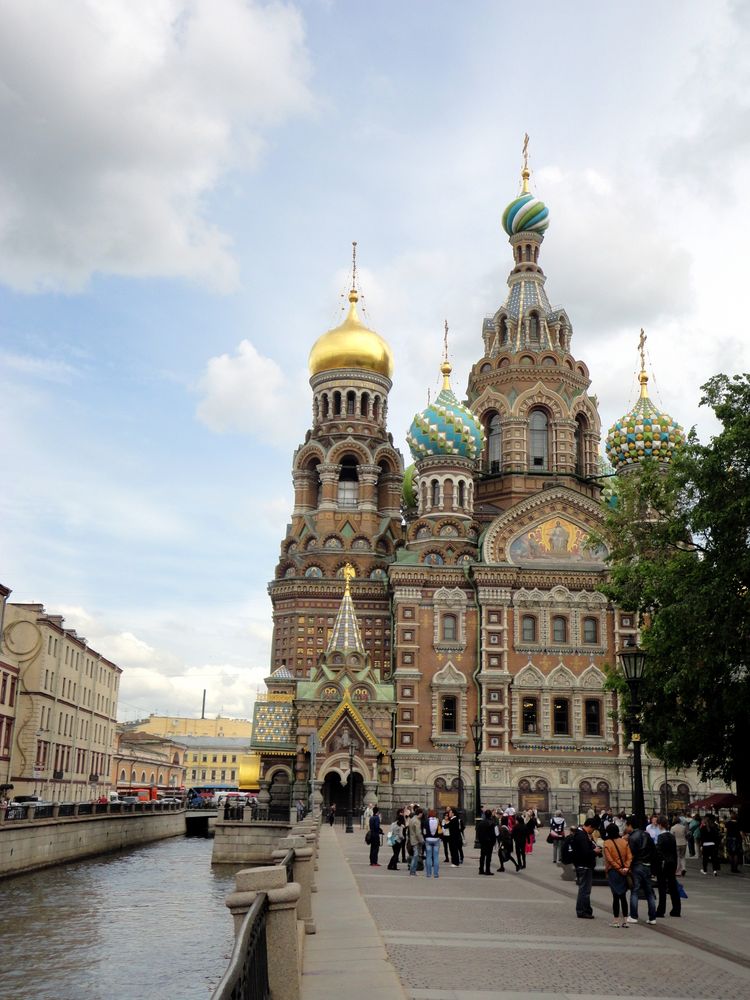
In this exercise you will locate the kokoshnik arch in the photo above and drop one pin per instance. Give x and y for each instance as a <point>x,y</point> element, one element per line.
<point>408,602</point>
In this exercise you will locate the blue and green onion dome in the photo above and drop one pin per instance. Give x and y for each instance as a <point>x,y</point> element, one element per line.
<point>525,214</point>
<point>445,427</point>
<point>643,433</point>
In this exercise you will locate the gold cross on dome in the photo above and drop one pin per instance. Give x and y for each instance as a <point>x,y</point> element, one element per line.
<point>642,348</point>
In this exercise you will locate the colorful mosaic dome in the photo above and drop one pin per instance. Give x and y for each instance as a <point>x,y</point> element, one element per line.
<point>525,214</point>
<point>408,492</point>
<point>445,427</point>
<point>643,433</point>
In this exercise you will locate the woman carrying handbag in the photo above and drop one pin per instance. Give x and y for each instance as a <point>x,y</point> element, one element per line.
<point>617,862</point>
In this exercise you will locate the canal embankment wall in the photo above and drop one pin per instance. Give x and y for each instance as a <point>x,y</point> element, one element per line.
<point>38,843</point>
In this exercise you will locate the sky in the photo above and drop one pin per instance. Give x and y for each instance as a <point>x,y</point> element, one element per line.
<point>180,183</point>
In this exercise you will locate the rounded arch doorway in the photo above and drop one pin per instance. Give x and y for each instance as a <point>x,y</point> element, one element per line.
<point>593,796</point>
<point>336,792</point>
<point>534,797</point>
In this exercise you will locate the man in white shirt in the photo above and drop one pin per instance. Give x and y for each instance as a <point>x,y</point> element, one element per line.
<point>653,829</point>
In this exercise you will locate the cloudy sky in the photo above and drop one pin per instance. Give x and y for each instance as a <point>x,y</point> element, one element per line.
<point>180,183</point>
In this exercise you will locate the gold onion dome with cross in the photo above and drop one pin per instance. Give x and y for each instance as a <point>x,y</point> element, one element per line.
<point>351,344</point>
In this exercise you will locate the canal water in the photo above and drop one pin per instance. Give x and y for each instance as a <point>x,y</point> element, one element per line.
<point>141,924</point>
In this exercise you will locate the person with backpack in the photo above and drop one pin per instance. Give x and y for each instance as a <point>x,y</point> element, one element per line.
<point>432,832</point>
<point>643,849</point>
<point>374,831</point>
<point>584,859</point>
<point>557,833</point>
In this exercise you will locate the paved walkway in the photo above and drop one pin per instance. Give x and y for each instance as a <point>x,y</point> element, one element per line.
<point>514,936</point>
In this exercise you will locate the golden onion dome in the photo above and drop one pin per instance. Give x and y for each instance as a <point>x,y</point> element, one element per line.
<point>351,345</point>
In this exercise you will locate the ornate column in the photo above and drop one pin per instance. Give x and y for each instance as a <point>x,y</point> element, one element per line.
<point>368,487</point>
<point>329,478</point>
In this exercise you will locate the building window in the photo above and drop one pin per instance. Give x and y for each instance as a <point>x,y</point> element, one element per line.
<point>580,442</point>
<point>530,715</point>
<point>559,629</point>
<point>593,714</point>
<point>495,444</point>
<point>449,714</point>
<point>561,716</point>
<point>528,628</point>
<point>435,493</point>
<point>494,741</point>
<point>449,628</point>
<point>494,695</point>
<point>348,487</point>
<point>494,718</point>
<point>590,630</point>
<point>461,493</point>
<point>405,739</point>
<point>538,429</point>
<point>407,692</point>
<point>406,715</point>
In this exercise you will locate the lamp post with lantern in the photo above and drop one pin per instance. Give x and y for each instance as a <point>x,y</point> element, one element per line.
<point>633,662</point>
<point>349,744</point>
<point>476,734</point>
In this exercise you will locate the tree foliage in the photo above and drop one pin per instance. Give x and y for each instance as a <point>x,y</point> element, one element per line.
<point>680,559</point>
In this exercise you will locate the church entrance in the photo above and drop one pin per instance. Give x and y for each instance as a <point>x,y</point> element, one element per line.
<point>336,792</point>
<point>534,798</point>
<point>593,798</point>
<point>281,796</point>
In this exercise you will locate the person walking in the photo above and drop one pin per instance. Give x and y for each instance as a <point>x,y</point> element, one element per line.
<point>416,840</point>
<point>395,840</point>
<point>692,833</point>
<point>679,833</point>
<point>642,849</point>
<point>557,833</point>
<point>403,816</point>
<point>584,860</point>
<point>485,834</point>
<point>709,839</point>
<point>666,881</point>
<point>374,827</point>
<point>519,841</point>
<point>432,832</point>
<point>505,845</point>
<point>617,862</point>
<point>332,814</point>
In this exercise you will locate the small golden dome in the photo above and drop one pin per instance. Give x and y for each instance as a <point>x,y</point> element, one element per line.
<point>351,345</point>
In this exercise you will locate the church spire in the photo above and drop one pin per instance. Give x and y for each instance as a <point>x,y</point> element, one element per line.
<point>346,637</point>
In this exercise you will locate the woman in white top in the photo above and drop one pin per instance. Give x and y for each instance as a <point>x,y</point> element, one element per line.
<point>680,835</point>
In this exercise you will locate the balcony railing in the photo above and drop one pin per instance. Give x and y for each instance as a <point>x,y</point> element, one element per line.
<point>247,975</point>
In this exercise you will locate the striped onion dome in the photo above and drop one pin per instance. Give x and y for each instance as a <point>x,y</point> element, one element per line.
<point>445,427</point>
<point>643,433</point>
<point>525,214</point>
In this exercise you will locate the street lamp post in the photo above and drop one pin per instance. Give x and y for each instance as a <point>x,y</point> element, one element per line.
<point>633,661</point>
<point>350,811</point>
<point>476,733</point>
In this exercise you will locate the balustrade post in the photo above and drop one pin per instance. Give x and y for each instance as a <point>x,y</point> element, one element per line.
<point>303,864</point>
<point>284,959</point>
<point>30,811</point>
<point>55,810</point>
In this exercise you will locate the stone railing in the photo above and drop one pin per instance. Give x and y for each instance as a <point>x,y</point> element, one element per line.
<point>272,911</point>
<point>71,810</point>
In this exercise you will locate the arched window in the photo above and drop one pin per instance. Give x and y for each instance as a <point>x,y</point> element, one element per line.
<point>561,716</point>
<point>533,328</point>
<point>592,710</point>
<point>365,404</point>
<point>461,493</point>
<point>503,331</point>
<point>528,628</point>
<point>590,630</point>
<point>528,251</point>
<point>495,443</point>
<point>132,775</point>
<point>449,714</point>
<point>581,428</point>
<point>351,404</point>
<point>376,408</point>
<point>337,404</point>
<point>325,405</point>
<point>559,629</point>
<point>538,440</point>
<point>143,776</point>
<point>449,628</point>
<point>530,715</point>
<point>348,488</point>
<point>435,493</point>
<point>122,775</point>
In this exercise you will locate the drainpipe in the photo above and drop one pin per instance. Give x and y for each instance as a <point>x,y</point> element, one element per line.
<point>475,675</point>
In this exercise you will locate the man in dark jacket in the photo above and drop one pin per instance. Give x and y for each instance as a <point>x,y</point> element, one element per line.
<point>485,834</point>
<point>643,849</point>
<point>584,860</point>
<point>374,837</point>
<point>519,834</point>
<point>666,879</point>
<point>505,845</point>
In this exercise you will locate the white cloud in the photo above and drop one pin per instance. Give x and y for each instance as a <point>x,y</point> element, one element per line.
<point>119,119</point>
<point>47,369</point>
<point>250,393</point>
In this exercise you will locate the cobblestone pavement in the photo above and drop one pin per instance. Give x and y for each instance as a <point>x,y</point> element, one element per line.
<point>468,937</point>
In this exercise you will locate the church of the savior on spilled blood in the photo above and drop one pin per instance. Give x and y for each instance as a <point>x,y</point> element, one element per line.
<point>446,617</point>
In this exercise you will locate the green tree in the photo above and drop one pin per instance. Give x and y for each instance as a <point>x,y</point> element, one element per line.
<point>680,558</point>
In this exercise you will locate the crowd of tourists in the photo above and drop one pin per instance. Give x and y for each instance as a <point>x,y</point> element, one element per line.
<point>635,859</point>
